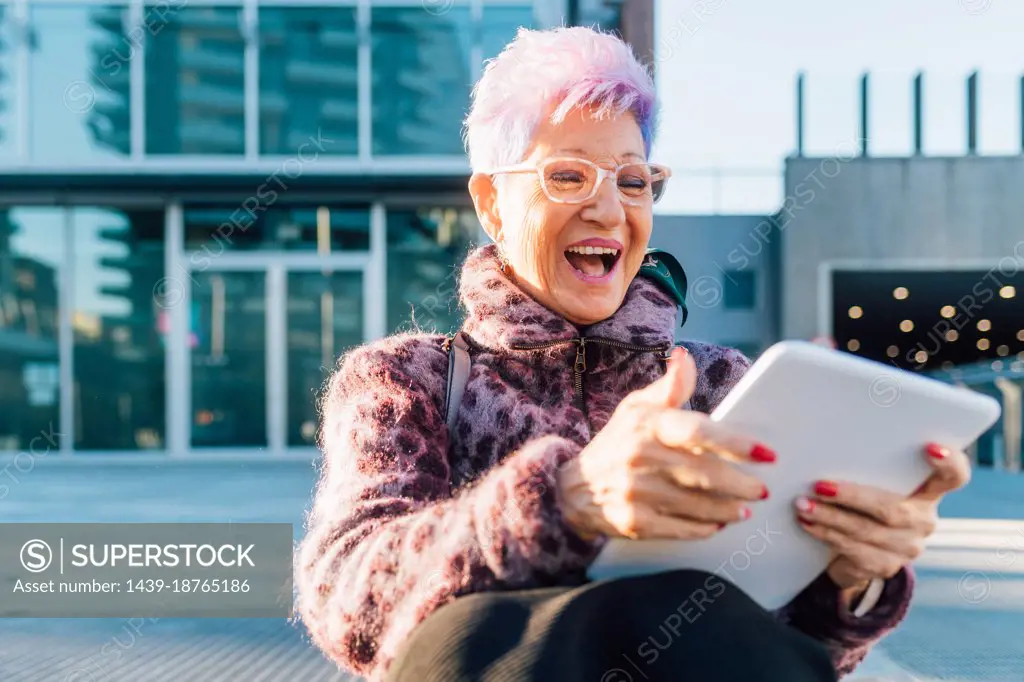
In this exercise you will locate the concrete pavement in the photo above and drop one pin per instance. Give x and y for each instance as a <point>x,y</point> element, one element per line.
<point>967,623</point>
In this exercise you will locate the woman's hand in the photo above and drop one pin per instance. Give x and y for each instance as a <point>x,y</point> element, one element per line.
<point>656,471</point>
<point>874,533</point>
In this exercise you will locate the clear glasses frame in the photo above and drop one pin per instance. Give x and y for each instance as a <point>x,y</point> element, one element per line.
<point>659,173</point>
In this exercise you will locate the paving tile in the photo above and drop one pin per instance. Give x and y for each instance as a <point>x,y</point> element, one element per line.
<point>967,623</point>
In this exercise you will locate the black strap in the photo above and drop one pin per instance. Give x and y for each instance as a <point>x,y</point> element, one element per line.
<point>458,376</point>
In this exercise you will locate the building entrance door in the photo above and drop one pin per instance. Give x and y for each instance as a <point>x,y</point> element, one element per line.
<point>261,342</point>
<point>257,333</point>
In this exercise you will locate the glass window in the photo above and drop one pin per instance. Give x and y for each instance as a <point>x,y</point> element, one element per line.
<point>324,319</point>
<point>421,79</point>
<point>426,247</point>
<point>195,81</point>
<point>740,287</point>
<point>31,255</point>
<point>118,349</point>
<point>8,146</point>
<point>79,100</point>
<point>604,15</point>
<point>212,230</point>
<point>229,368</point>
<point>500,25</point>
<point>309,79</point>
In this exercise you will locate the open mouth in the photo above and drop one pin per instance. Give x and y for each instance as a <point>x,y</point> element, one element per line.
<point>592,261</point>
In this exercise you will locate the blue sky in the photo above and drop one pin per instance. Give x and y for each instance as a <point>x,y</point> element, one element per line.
<point>726,72</point>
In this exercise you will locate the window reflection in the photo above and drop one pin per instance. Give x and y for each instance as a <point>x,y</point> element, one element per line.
<point>229,345</point>
<point>308,79</point>
<point>500,25</point>
<point>7,104</point>
<point>118,349</point>
<point>79,85</point>
<point>324,319</point>
<point>421,79</point>
<point>213,230</point>
<point>31,257</point>
<point>425,249</point>
<point>195,81</point>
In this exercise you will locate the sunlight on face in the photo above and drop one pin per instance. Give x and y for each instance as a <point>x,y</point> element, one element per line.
<point>543,239</point>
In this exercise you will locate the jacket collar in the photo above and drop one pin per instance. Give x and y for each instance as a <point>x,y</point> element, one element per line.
<point>500,314</point>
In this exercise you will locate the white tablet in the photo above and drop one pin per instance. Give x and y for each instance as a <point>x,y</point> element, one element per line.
<point>828,415</point>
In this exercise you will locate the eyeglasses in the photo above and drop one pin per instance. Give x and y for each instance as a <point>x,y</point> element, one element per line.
<point>568,180</point>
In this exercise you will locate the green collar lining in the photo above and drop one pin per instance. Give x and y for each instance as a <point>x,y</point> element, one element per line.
<point>663,268</point>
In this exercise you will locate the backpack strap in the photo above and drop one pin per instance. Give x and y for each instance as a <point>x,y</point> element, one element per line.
<point>458,375</point>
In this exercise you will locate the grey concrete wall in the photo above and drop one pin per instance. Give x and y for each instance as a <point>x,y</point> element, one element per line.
<point>935,210</point>
<point>710,246</point>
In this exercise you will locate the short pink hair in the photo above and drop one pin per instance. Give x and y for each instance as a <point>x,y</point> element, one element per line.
<point>567,68</point>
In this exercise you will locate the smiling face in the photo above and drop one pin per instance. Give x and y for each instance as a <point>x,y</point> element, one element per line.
<point>576,259</point>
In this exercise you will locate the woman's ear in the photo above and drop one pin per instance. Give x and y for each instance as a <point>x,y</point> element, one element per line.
<point>485,200</point>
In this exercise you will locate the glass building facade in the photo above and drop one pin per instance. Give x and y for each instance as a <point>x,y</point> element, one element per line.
<point>203,204</point>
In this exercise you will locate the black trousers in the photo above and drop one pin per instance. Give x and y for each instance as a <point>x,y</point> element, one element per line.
<point>683,626</point>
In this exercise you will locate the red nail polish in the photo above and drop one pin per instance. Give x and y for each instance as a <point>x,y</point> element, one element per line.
<point>937,451</point>
<point>761,453</point>
<point>804,522</point>
<point>721,526</point>
<point>764,492</point>
<point>745,513</point>
<point>804,504</point>
<point>826,488</point>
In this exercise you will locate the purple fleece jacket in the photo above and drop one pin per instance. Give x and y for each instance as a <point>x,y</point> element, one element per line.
<point>402,523</point>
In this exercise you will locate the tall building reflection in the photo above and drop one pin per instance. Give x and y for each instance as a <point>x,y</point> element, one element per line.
<point>309,77</point>
<point>421,79</point>
<point>119,355</point>
<point>5,78</point>
<point>10,364</point>
<point>109,119</point>
<point>28,342</point>
<point>195,82</point>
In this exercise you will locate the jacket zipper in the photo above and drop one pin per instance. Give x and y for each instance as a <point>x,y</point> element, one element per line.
<point>580,365</point>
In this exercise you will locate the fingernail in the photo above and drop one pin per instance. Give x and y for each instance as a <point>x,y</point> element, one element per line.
<point>804,522</point>
<point>764,492</point>
<point>826,488</point>
<point>805,505</point>
<point>721,526</point>
<point>761,453</point>
<point>936,451</point>
<point>745,513</point>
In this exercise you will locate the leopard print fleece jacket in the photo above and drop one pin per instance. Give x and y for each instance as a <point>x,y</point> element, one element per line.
<point>404,521</point>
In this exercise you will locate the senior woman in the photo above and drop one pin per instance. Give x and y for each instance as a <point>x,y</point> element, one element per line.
<point>438,555</point>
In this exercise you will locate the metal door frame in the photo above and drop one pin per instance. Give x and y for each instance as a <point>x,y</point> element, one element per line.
<point>276,264</point>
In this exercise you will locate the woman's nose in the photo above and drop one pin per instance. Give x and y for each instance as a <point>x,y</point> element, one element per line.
<point>606,207</point>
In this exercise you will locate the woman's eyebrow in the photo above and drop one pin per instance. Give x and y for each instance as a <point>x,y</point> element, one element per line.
<point>584,153</point>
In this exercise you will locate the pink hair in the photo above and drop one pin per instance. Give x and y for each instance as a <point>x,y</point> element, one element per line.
<point>566,68</point>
